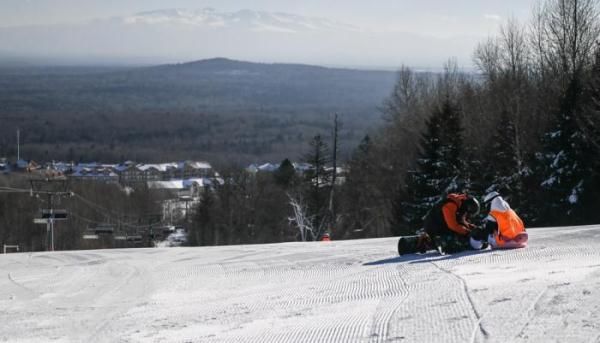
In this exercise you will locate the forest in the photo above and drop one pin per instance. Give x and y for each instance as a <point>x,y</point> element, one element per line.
<point>526,124</point>
<point>214,110</point>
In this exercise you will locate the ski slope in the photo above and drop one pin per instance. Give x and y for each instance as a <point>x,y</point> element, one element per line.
<point>340,291</point>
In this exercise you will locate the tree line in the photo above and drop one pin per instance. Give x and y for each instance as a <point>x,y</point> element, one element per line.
<point>526,124</point>
<point>214,110</point>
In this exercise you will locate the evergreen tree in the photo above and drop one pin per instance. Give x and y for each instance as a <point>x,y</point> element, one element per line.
<point>590,124</point>
<point>269,206</point>
<point>591,120</point>
<point>202,222</point>
<point>503,170</point>
<point>567,164</point>
<point>474,173</point>
<point>439,169</point>
<point>360,194</point>
<point>318,157</point>
<point>316,181</point>
<point>405,216</point>
<point>284,175</point>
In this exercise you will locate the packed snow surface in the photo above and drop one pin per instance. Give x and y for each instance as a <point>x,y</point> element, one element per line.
<point>340,291</point>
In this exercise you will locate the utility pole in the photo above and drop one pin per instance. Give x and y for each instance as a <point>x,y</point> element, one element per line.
<point>332,222</point>
<point>18,144</point>
<point>50,224</point>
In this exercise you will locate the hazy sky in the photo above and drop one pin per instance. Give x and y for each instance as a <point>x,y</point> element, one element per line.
<point>433,17</point>
<point>424,32</point>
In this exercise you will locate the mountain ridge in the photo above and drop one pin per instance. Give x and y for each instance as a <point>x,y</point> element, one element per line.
<point>230,62</point>
<point>205,109</point>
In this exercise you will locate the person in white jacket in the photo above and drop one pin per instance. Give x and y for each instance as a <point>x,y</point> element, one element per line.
<point>504,227</point>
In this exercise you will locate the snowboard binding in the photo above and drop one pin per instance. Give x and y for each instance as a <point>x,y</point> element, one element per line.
<point>420,243</point>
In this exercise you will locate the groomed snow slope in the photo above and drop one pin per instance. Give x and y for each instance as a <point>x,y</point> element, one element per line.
<point>350,291</point>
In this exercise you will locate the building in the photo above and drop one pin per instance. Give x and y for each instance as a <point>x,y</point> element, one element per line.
<point>131,173</point>
<point>4,166</point>
<point>26,166</point>
<point>192,169</point>
<point>98,173</point>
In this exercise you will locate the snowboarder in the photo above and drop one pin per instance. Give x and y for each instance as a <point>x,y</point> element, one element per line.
<point>504,227</point>
<point>447,228</point>
<point>448,223</point>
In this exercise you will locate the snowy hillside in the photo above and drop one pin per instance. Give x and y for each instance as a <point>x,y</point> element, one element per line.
<point>350,291</point>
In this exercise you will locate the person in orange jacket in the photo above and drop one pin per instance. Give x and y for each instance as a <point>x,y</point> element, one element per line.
<point>506,230</point>
<point>448,224</point>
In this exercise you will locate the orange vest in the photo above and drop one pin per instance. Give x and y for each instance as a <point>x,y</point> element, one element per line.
<point>509,226</point>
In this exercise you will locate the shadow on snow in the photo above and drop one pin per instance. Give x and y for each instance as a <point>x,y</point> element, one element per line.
<point>425,258</point>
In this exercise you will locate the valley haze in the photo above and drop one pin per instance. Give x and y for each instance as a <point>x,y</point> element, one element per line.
<point>176,35</point>
<point>212,109</point>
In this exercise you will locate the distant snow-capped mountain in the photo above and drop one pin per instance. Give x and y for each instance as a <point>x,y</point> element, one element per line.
<point>244,19</point>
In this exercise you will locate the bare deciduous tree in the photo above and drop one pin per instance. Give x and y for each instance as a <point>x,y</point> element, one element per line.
<point>565,33</point>
<point>487,58</point>
<point>303,221</point>
<point>514,49</point>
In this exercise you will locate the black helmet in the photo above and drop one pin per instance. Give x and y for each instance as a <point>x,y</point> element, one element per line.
<point>470,205</point>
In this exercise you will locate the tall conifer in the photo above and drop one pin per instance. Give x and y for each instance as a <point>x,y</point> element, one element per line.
<point>440,167</point>
<point>567,162</point>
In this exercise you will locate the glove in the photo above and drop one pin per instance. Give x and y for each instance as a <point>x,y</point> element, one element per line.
<point>478,233</point>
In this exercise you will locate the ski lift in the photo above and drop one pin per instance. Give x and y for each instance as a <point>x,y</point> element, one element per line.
<point>90,235</point>
<point>134,238</point>
<point>104,229</point>
<point>167,230</point>
<point>54,214</point>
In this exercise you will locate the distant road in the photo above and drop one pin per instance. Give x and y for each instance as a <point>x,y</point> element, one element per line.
<point>340,291</point>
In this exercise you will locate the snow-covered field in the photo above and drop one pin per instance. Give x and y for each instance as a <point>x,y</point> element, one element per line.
<point>350,291</point>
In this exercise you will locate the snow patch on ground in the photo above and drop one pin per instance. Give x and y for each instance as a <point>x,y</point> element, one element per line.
<point>340,291</point>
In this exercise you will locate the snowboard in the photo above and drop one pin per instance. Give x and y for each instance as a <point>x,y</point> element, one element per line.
<point>420,243</point>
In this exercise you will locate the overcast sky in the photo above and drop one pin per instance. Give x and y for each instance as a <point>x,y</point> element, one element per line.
<point>435,17</point>
<point>461,21</point>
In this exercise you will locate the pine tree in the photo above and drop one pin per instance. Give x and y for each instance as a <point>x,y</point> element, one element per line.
<point>439,169</point>
<point>360,195</point>
<point>591,119</point>
<point>475,181</point>
<point>405,216</point>
<point>318,157</point>
<point>284,175</point>
<point>503,170</point>
<point>452,148</point>
<point>317,180</point>
<point>201,230</point>
<point>567,161</point>
<point>590,124</point>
